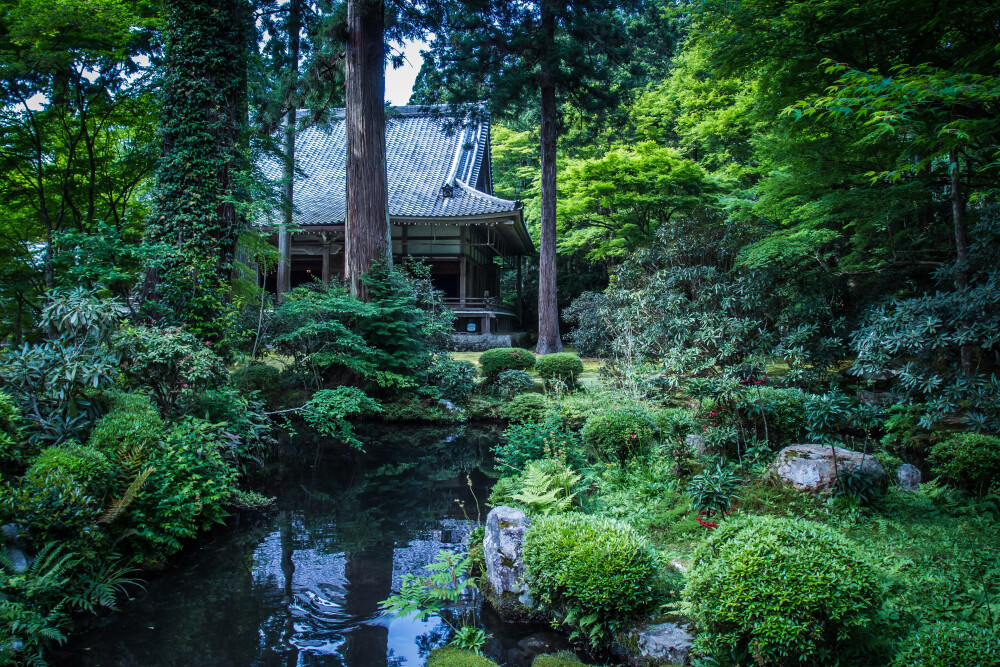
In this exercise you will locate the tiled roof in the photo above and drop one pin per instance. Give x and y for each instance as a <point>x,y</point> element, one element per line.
<point>426,159</point>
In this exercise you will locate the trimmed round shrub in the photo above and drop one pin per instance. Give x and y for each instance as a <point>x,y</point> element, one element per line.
<point>619,434</point>
<point>597,571</point>
<point>257,377</point>
<point>970,460</point>
<point>86,465</point>
<point>562,366</point>
<point>527,408</point>
<point>495,361</point>
<point>948,645</point>
<point>675,422</point>
<point>51,507</point>
<point>133,422</point>
<point>456,657</point>
<point>509,384</point>
<point>781,592</point>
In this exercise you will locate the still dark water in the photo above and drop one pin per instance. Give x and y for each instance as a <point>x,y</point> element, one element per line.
<point>303,585</point>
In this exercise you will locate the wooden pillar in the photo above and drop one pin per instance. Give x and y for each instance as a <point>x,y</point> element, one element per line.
<point>404,242</point>
<point>520,293</point>
<point>462,267</point>
<point>326,263</point>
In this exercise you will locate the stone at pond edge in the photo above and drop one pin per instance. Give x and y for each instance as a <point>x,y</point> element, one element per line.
<point>908,476</point>
<point>16,551</point>
<point>504,585</point>
<point>656,644</point>
<point>696,442</point>
<point>812,467</point>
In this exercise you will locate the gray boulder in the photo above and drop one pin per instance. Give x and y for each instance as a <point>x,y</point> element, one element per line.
<point>908,476</point>
<point>814,467</point>
<point>696,442</point>
<point>503,544</point>
<point>655,644</point>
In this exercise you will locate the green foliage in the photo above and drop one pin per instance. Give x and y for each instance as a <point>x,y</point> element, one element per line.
<point>55,381</point>
<point>527,408</point>
<point>620,434</point>
<point>10,430</point>
<point>186,493</point>
<point>562,367</point>
<point>532,441</point>
<point>257,377</point>
<point>469,638</point>
<point>947,644</point>
<point>328,411</point>
<point>452,380</point>
<point>712,492</point>
<point>172,363</point>
<point>599,572</point>
<point>783,592</point>
<point>589,321</point>
<point>675,423</point>
<point>547,486</point>
<point>576,407</point>
<point>85,465</point>
<point>53,507</point>
<point>457,657</point>
<point>244,418</point>
<point>495,361</point>
<point>132,423</point>
<point>510,383</point>
<point>971,460</point>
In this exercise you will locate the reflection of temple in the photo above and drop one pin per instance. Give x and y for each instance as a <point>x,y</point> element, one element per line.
<point>441,209</point>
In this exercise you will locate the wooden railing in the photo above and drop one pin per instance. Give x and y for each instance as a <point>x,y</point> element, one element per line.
<point>479,305</point>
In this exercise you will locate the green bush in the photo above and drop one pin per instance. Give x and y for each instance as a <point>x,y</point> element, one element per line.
<point>619,434</point>
<point>10,430</point>
<point>495,361</point>
<point>561,659</point>
<point>577,407</point>
<point>244,417</point>
<point>527,408</point>
<point>456,657</point>
<point>133,423</point>
<point>547,486</point>
<point>257,377</point>
<point>950,645</point>
<point>52,507</point>
<point>970,460</point>
<point>561,366</point>
<point>522,443</point>
<point>509,384</point>
<point>186,492</point>
<point>452,380</point>
<point>599,572</point>
<point>674,423</point>
<point>86,465</point>
<point>783,592</point>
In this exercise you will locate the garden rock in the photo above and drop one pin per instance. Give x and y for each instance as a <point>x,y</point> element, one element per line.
<point>503,550</point>
<point>813,467</point>
<point>696,442</point>
<point>14,548</point>
<point>658,645</point>
<point>908,476</point>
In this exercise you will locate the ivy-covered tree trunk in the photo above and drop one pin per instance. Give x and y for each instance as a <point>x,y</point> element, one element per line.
<point>196,221</point>
<point>548,305</point>
<point>284,282</point>
<point>961,244</point>
<point>366,236</point>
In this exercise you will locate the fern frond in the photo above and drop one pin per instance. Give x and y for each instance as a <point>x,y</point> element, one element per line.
<point>118,506</point>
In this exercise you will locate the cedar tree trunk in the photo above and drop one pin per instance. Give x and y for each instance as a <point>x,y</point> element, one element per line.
<point>548,306</point>
<point>284,236</point>
<point>961,244</point>
<point>366,235</point>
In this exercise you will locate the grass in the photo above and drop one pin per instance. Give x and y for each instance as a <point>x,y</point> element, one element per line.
<point>591,366</point>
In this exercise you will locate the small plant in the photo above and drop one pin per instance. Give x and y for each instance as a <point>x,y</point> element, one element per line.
<point>713,492</point>
<point>620,434</point>
<point>451,380</point>
<point>970,460</point>
<point>523,443</point>
<point>511,383</point>
<point>597,572</point>
<point>560,367</point>
<point>495,361</point>
<point>257,377</point>
<point>547,487</point>
<point>527,408</point>
<point>446,587</point>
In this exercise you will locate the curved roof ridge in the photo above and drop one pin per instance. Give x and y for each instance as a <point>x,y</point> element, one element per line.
<point>499,201</point>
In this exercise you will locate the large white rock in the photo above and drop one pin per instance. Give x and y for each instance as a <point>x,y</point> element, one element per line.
<point>908,476</point>
<point>502,548</point>
<point>812,467</point>
<point>665,643</point>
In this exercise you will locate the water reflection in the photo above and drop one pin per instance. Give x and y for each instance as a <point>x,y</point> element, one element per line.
<point>303,587</point>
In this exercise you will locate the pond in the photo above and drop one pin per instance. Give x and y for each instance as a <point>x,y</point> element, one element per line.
<point>302,586</point>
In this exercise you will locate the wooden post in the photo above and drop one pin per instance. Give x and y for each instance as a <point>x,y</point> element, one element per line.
<point>326,263</point>
<point>462,268</point>
<point>520,293</point>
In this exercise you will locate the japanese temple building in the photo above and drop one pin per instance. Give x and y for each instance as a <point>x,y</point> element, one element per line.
<point>442,210</point>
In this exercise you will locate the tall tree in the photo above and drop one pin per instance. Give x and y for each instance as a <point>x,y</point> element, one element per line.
<point>534,51</point>
<point>204,123</point>
<point>367,240</point>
